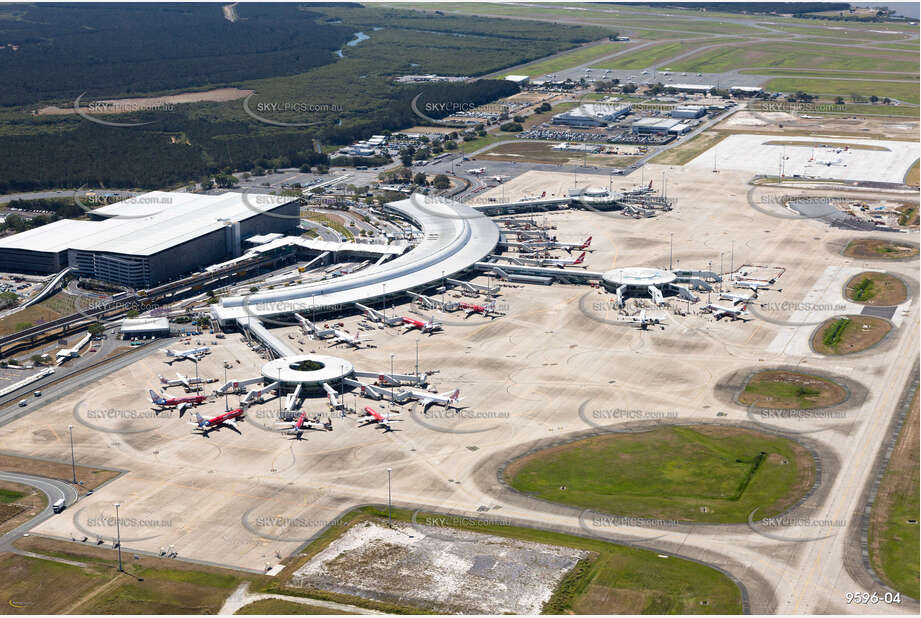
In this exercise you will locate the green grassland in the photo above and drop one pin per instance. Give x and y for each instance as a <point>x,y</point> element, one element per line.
<point>568,60</point>
<point>671,473</point>
<point>616,579</point>
<point>903,91</point>
<point>654,54</point>
<point>796,55</point>
<point>149,586</point>
<point>894,541</point>
<point>279,607</point>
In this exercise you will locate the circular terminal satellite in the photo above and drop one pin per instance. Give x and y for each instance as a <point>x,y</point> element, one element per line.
<point>311,370</point>
<point>638,277</point>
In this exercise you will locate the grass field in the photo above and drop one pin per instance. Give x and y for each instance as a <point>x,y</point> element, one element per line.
<point>868,109</point>
<point>568,60</point>
<point>854,333</point>
<point>795,55</point>
<point>679,155</point>
<point>541,152</point>
<point>913,177</point>
<point>331,221</point>
<point>8,496</point>
<point>149,586</point>
<point>58,305</point>
<point>701,473</point>
<point>820,73</point>
<point>875,288</point>
<point>616,580</point>
<point>791,390</point>
<point>872,248</point>
<point>279,607</point>
<point>653,55</point>
<point>893,539</point>
<point>903,91</point>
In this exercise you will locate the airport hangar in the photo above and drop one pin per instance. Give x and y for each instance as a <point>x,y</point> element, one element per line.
<point>151,238</point>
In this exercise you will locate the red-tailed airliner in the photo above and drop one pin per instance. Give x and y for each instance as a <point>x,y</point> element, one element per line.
<point>373,417</point>
<point>163,402</point>
<point>226,419</point>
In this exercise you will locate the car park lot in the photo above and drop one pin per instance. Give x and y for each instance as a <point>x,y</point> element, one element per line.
<point>551,367</point>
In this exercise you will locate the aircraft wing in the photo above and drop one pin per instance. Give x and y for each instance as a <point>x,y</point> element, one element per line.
<point>230,422</point>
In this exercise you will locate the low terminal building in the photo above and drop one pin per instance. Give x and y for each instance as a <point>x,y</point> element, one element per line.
<point>688,111</point>
<point>144,328</point>
<point>592,115</point>
<point>695,88</point>
<point>151,238</point>
<point>647,126</point>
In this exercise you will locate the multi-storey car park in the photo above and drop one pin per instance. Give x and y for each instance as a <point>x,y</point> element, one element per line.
<point>149,239</point>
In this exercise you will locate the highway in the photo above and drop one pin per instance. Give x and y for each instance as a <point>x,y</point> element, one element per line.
<point>52,488</point>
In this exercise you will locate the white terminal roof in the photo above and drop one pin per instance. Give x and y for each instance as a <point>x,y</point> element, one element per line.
<point>691,86</point>
<point>143,325</point>
<point>455,237</point>
<point>147,224</point>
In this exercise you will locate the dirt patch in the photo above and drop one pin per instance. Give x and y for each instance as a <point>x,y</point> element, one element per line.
<point>124,106</point>
<point>859,333</point>
<point>439,568</point>
<point>876,289</point>
<point>878,249</point>
<point>790,390</point>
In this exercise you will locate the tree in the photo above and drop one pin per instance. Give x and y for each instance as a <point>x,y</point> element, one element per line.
<point>96,329</point>
<point>406,155</point>
<point>873,98</point>
<point>419,179</point>
<point>518,119</point>
<point>543,107</point>
<point>628,88</point>
<point>205,183</point>
<point>441,182</point>
<point>887,101</point>
<point>225,181</point>
<point>450,145</point>
<point>132,313</point>
<point>511,127</point>
<point>839,100</point>
<point>258,171</point>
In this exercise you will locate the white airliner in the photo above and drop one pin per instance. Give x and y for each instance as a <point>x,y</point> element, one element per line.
<point>738,298</point>
<point>720,312</point>
<point>477,170</point>
<point>643,320</point>
<point>752,285</point>
<point>194,354</point>
<point>181,380</point>
<point>377,316</point>
<point>448,399</point>
<point>561,262</point>
<point>553,244</point>
<point>345,337</point>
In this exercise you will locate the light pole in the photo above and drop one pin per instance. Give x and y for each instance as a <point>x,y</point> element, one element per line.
<point>118,538</point>
<point>389,518</point>
<point>226,406</point>
<point>391,379</point>
<point>73,461</point>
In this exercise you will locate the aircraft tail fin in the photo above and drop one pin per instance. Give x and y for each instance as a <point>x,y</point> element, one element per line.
<point>153,396</point>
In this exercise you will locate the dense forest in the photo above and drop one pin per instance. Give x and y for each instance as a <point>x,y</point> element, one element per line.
<point>125,49</point>
<point>189,141</point>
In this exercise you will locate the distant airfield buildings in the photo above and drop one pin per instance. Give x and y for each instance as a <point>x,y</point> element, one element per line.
<point>151,238</point>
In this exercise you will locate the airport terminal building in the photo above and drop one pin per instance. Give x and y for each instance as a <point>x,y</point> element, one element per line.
<point>151,238</point>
